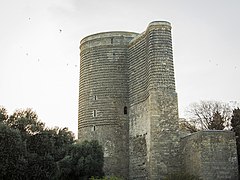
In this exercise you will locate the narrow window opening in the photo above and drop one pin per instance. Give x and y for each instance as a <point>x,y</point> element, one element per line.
<point>94,128</point>
<point>94,113</point>
<point>114,57</point>
<point>125,110</point>
<point>111,40</point>
<point>95,98</point>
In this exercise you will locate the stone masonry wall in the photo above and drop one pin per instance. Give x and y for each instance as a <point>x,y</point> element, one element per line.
<point>139,141</point>
<point>164,137</point>
<point>128,102</point>
<point>210,155</point>
<point>104,96</point>
<point>139,124</point>
<point>153,119</point>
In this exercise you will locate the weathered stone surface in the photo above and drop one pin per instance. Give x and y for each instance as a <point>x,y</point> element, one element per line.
<point>153,104</point>
<point>104,95</point>
<point>210,155</point>
<point>128,102</point>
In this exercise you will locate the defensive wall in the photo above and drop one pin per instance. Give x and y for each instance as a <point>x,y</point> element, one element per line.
<point>210,155</point>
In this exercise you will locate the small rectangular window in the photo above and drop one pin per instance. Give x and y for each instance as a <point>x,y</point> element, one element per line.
<point>95,98</point>
<point>125,110</point>
<point>94,113</point>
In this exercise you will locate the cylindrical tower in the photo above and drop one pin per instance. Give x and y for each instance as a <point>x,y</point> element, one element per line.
<point>163,102</point>
<point>153,111</point>
<point>103,98</point>
<point>160,56</point>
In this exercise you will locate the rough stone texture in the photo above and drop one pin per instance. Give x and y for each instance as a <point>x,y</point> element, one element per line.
<point>210,155</point>
<point>164,134</point>
<point>103,96</point>
<point>139,141</point>
<point>153,114</point>
<point>125,71</point>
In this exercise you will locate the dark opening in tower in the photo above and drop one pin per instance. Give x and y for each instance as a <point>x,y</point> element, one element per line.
<point>125,110</point>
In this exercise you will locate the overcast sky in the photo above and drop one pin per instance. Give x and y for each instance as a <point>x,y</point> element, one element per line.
<point>39,45</point>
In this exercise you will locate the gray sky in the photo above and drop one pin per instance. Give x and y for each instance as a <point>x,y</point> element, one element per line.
<point>39,42</point>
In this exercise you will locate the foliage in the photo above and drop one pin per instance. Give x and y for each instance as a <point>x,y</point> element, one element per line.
<point>213,115</point>
<point>3,114</point>
<point>83,161</point>
<point>181,176</point>
<point>235,123</point>
<point>217,121</point>
<point>26,121</point>
<point>12,162</point>
<point>28,150</point>
<point>54,142</point>
<point>40,167</point>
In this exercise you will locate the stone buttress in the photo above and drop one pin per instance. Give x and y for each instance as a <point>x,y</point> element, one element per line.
<point>153,116</point>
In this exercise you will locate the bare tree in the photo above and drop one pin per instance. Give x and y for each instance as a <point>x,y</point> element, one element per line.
<point>209,115</point>
<point>186,126</point>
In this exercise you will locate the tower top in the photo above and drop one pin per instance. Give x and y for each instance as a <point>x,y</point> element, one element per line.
<point>107,35</point>
<point>159,24</point>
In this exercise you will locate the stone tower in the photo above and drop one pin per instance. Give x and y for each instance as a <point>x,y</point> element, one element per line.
<point>104,98</point>
<point>128,102</point>
<point>153,115</point>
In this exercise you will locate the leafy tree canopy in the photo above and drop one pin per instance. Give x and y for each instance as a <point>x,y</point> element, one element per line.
<point>83,161</point>
<point>28,150</point>
<point>12,150</point>
<point>235,121</point>
<point>26,121</point>
<point>3,114</point>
